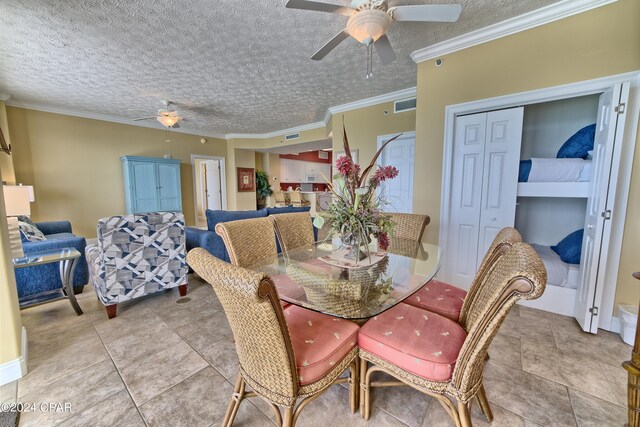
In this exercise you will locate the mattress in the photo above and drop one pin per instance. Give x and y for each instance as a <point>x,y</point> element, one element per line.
<point>554,170</point>
<point>559,273</point>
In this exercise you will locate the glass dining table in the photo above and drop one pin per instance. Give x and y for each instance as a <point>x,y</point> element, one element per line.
<point>320,278</point>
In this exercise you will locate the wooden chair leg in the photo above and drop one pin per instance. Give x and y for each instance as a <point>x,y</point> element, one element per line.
<point>111,310</point>
<point>464,414</point>
<point>363,393</point>
<point>183,290</point>
<point>288,417</point>
<point>484,404</point>
<point>354,385</point>
<point>234,404</point>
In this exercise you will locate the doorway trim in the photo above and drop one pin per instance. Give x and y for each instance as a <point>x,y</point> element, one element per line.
<point>196,176</point>
<point>384,138</point>
<point>571,90</point>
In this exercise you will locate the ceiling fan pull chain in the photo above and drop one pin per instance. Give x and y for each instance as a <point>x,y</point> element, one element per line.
<point>370,60</point>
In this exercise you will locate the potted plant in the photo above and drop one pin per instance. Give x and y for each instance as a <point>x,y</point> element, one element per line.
<point>263,189</point>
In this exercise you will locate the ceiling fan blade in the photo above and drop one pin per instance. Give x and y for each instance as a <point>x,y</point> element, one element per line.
<point>428,13</point>
<point>331,44</point>
<point>384,49</point>
<point>144,118</point>
<point>176,126</point>
<point>319,7</point>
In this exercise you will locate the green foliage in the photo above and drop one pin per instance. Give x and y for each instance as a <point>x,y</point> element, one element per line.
<point>263,188</point>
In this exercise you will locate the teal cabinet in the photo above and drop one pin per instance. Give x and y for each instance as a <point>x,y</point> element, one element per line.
<point>151,184</point>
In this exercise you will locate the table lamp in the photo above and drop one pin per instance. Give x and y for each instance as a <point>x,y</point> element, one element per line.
<point>17,200</point>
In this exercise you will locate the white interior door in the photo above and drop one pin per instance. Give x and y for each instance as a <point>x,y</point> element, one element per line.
<point>500,175</point>
<point>213,184</point>
<point>460,255</point>
<point>597,231</point>
<point>399,191</point>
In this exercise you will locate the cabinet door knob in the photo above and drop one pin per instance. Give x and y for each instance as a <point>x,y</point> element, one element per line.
<point>493,218</point>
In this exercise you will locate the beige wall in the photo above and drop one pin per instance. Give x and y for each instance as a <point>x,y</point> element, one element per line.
<point>364,125</point>
<point>6,161</point>
<point>75,168</point>
<point>10,321</point>
<point>244,159</point>
<point>601,42</point>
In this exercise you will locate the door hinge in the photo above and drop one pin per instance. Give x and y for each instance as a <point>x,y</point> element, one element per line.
<point>606,214</point>
<point>620,108</point>
<point>594,311</point>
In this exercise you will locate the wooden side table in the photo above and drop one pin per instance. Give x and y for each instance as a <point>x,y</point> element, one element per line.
<point>633,386</point>
<point>67,259</point>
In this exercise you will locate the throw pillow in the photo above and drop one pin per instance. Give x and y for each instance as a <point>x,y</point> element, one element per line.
<point>579,144</point>
<point>570,248</point>
<point>30,232</point>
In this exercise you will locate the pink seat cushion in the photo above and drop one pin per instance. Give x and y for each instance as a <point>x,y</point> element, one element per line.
<point>319,341</point>
<point>439,297</point>
<point>415,340</point>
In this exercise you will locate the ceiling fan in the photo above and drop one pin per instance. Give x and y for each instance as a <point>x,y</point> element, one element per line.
<point>168,117</point>
<point>369,21</point>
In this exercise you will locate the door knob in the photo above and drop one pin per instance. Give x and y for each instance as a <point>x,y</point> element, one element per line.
<point>493,218</point>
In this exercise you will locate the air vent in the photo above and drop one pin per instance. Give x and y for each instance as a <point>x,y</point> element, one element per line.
<point>291,136</point>
<point>404,105</point>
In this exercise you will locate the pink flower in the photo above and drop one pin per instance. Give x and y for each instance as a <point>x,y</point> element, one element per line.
<point>383,241</point>
<point>346,167</point>
<point>382,174</point>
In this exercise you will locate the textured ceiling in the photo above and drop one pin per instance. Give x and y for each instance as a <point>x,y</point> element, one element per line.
<point>228,65</point>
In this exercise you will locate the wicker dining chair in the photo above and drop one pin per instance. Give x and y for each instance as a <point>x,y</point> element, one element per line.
<point>409,226</point>
<point>296,199</point>
<point>281,200</point>
<point>294,230</point>
<point>438,356</point>
<point>285,356</point>
<point>250,242</point>
<point>451,301</point>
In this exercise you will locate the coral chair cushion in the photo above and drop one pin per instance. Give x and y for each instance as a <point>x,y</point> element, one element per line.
<point>319,341</point>
<point>439,297</point>
<point>415,340</point>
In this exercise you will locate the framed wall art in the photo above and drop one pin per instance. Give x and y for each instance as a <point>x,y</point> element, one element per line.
<point>246,179</point>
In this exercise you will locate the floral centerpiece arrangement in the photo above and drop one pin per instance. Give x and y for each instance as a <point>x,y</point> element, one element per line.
<point>355,211</point>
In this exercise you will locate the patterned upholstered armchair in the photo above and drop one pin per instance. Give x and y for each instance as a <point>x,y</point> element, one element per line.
<point>137,255</point>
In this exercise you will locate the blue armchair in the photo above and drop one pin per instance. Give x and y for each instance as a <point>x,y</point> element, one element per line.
<point>213,243</point>
<point>32,281</point>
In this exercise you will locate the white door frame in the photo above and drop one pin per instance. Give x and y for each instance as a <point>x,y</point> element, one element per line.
<point>196,176</point>
<point>588,87</point>
<point>384,138</point>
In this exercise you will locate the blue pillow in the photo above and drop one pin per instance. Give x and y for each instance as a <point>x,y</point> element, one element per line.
<point>579,144</point>
<point>570,248</point>
<point>524,171</point>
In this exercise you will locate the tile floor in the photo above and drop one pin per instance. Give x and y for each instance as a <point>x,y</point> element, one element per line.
<point>166,363</point>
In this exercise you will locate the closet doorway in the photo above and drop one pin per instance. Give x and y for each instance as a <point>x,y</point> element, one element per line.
<point>593,197</point>
<point>209,186</point>
<point>400,153</point>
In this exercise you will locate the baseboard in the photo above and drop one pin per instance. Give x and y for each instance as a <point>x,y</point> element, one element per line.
<point>17,368</point>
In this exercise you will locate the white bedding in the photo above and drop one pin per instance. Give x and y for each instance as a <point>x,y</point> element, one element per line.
<point>559,170</point>
<point>559,273</point>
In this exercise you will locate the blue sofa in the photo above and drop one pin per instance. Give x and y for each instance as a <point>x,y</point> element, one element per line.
<point>32,281</point>
<point>208,238</point>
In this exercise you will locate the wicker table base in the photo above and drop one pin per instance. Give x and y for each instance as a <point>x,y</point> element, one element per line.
<point>633,387</point>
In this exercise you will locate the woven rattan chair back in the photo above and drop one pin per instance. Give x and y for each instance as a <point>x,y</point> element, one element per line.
<point>262,340</point>
<point>279,195</point>
<point>250,242</point>
<point>409,226</point>
<point>294,230</point>
<point>503,241</point>
<point>296,199</point>
<point>518,274</point>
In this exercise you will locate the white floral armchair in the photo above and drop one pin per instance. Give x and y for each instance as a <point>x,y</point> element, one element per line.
<point>136,255</point>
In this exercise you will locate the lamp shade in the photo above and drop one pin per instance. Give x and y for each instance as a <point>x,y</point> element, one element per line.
<point>17,199</point>
<point>168,121</point>
<point>367,26</point>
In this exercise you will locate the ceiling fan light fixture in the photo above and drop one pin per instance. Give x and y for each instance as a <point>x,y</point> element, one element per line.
<point>168,121</point>
<point>367,26</point>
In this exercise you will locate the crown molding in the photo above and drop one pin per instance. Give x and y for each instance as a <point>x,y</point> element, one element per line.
<point>387,97</point>
<point>4,97</point>
<point>554,12</point>
<point>282,132</point>
<point>106,118</point>
<point>368,102</point>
